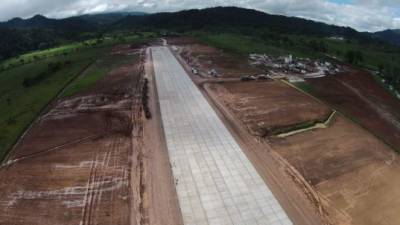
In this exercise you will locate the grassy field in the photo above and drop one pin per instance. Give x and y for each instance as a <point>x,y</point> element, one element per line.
<point>71,48</point>
<point>95,72</point>
<point>20,104</point>
<point>300,46</point>
<point>241,44</point>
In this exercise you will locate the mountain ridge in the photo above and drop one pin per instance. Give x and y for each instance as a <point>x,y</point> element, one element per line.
<point>22,35</point>
<point>233,16</point>
<point>390,35</point>
<point>199,19</point>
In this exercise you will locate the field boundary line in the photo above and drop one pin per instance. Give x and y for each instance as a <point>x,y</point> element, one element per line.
<point>348,117</point>
<point>62,146</point>
<point>315,126</point>
<point>43,110</point>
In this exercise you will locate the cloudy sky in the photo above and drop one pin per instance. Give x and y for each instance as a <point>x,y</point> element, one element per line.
<point>364,15</point>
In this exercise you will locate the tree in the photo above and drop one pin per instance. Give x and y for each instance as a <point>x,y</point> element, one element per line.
<point>350,57</point>
<point>354,57</point>
<point>380,68</point>
<point>359,56</point>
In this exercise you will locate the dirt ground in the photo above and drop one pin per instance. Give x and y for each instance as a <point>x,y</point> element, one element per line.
<point>160,197</point>
<point>349,175</point>
<point>85,161</point>
<point>353,176</point>
<point>359,96</point>
<point>289,195</point>
<point>351,169</point>
<point>205,58</point>
<point>265,107</point>
<point>352,173</point>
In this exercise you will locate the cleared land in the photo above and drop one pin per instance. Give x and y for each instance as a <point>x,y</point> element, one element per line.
<point>355,174</point>
<point>73,166</point>
<point>85,161</point>
<point>21,103</point>
<point>205,58</point>
<point>216,183</point>
<point>32,81</point>
<point>360,97</point>
<point>273,172</point>
<point>268,108</point>
<point>347,168</point>
<point>347,172</point>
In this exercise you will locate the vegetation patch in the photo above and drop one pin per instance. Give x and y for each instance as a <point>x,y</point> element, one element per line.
<point>27,89</point>
<point>300,127</point>
<point>304,86</point>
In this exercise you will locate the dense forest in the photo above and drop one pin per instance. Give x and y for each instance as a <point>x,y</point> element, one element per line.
<point>40,32</point>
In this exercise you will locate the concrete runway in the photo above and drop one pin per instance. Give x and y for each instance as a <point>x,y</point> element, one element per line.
<point>216,183</point>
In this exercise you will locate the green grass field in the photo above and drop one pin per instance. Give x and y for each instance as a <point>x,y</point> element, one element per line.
<point>239,44</point>
<point>95,72</point>
<point>21,104</point>
<point>243,45</point>
<point>71,48</point>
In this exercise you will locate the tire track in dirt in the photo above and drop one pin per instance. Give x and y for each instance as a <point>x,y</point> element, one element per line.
<point>384,114</point>
<point>105,163</point>
<point>59,147</point>
<point>96,177</point>
<point>99,180</point>
<point>45,108</point>
<point>88,194</point>
<point>106,167</point>
<point>87,182</point>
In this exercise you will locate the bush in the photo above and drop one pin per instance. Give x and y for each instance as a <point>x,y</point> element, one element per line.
<point>11,121</point>
<point>51,69</point>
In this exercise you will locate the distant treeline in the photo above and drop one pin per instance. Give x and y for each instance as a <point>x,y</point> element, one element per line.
<point>19,36</point>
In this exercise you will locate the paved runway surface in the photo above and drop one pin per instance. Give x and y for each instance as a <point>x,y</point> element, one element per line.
<point>216,183</point>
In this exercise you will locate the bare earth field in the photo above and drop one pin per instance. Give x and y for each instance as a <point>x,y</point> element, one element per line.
<point>205,58</point>
<point>359,96</point>
<point>353,172</point>
<point>95,159</point>
<point>349,175</point>
<point>290,196</point>
<point>348,168</point>
<point>265,107</point>
<point>84,162</point>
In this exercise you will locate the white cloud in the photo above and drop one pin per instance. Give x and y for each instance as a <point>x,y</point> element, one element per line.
<point>363,15</point>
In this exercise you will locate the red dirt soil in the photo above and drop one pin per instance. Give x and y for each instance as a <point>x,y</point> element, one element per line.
<point>73,165</point>
<point>349,175</point>
<point>291,197</point>
<point>355,174</point>
<point>264,107</point>
<point>85,162</point>
<point>360,97</point>
<point>205,58</point>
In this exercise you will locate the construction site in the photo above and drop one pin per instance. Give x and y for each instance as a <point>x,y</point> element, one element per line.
<point>83,162</point>
<point>189,134</point>
<point>333,143</point>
